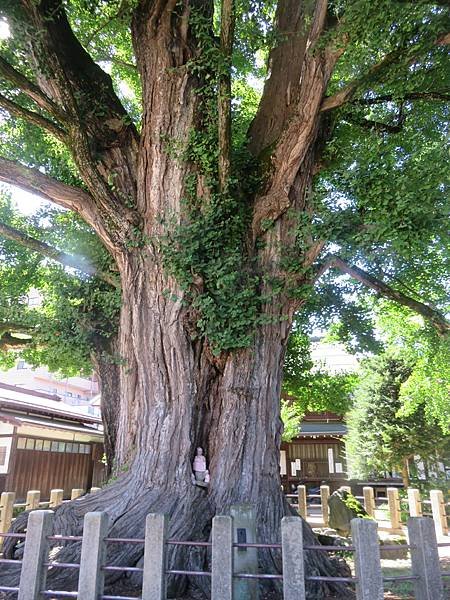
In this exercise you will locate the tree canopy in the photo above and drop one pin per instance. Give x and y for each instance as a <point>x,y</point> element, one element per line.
<point>240,162</point>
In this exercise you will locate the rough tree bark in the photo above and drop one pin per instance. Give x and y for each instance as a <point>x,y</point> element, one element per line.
<point>175,394</point>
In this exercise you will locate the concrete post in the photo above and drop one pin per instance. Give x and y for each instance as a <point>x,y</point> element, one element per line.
<point>222,558</point>
<point>7,500</point>
<point>369,583</point>
<point>302,509</point>
<point>154,575</point>
<point>33,498</point>
<point>76,493</point>
<point>425,559</point>
<point>324,495</point>
<point>94,489</point>
<point>394,509</point>
<point>439,513</point>
<point>93,553</point>
<point>35,555</point>
<point>369,501</point>
<point>414,503</point>
<point>245,560</point>
<point>292,553</point>
<point>56,498</point>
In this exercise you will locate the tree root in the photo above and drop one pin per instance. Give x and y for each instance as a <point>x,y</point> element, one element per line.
<point>127,505</point>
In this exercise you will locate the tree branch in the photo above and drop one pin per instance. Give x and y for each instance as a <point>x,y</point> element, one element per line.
<point>431,314</point>
<point>377,126</point>
<point>30,89</point>
<point>35,182</point>
<point>224,100</point>
<point>68,260</point>
<point>70,197</point>
<point>411,96</point>
<point>32,117</point>
<point>347,93</point>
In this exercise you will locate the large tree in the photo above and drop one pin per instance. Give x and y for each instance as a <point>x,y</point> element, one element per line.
<point>209,209</point>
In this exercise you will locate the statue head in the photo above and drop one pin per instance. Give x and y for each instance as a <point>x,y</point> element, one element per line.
<point>199,451</point>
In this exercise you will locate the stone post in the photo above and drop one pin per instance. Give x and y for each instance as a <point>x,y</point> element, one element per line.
<point>33,499</point>
<point>34,572</point>
<point>222,558</point>
<point>324,495</point>
<point>154,576</point>
<point>425,559</point>
<point>7,500</point>
<point>414,503</point>
<point>293,565</point>
<point>93,553</point>
<point>94,489</point>
<point>56,498</point>
<point>369,584</point>
<point>302,509</point>
<point>245,560</point>
<point>394,509</point>
<point>439,512</point>
<point>369,501</point>
<point>76,493</point>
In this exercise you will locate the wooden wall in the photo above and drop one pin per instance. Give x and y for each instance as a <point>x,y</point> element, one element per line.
<point>46,470</point>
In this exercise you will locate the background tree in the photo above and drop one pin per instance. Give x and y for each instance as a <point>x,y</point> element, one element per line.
<point>381,437</point>
<point>218,241</point>
<point>71,327</point>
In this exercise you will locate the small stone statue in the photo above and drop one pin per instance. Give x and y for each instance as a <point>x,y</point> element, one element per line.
<point>201,474</point>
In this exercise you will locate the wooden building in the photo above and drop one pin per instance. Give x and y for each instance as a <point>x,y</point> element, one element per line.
<point>316,455</point>
<point>46,445</point>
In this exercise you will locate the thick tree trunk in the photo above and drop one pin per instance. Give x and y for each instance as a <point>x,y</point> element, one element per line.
<point>105,360</point>
<point>175,397</point>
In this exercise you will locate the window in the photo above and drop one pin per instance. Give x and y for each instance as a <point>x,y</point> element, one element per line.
<point>54,446</point>
<point>21,443</point>
<point>46,446</point>
<point>38,444</point>
<point>3,450</point>
<point>61,446</point>
<point>29,444</point>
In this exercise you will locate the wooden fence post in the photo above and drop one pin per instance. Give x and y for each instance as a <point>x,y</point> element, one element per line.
<point>33,498</point>
<point>154,575</point>
<point>76,493</point>
<point>324,495</point>
<point>439,512</point>
<point>369,501</point>
<point>302,509</point>
<point>292,554</point>
<point>6,512</point>
<point>394,509</point>
<point>34,571</point>
<point>56,498</point>
<point>93,551</point>
<point>425,559</point>
<point>369,577</point>
<point>414,503</point>
<point>222,558</point>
